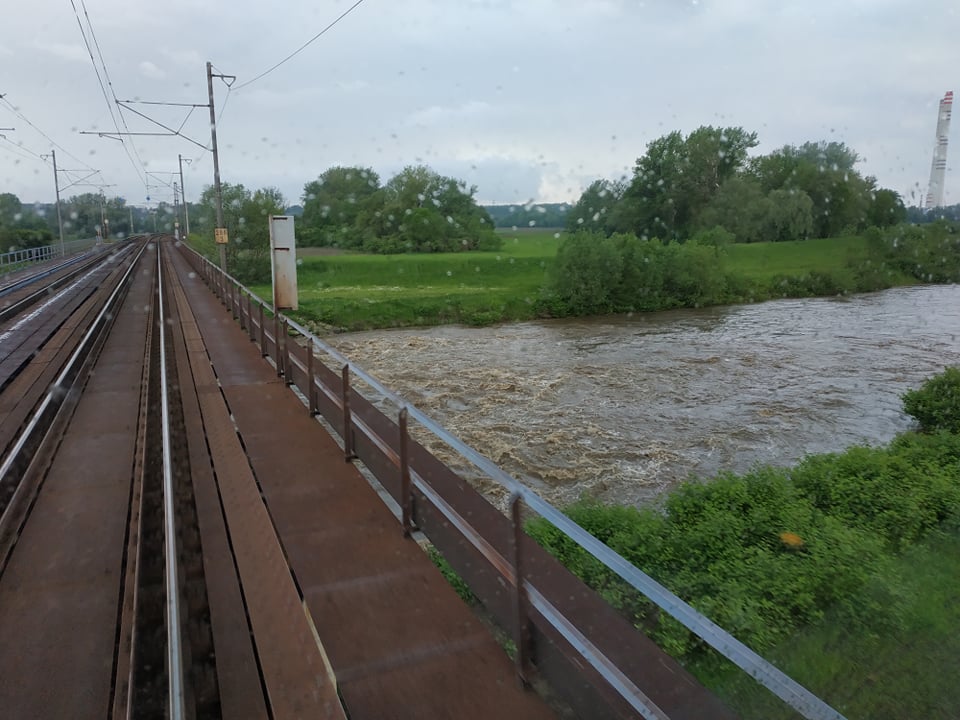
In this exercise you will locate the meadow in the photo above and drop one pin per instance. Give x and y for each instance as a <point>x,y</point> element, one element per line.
<point>352,291</point>
<point>355,291</point>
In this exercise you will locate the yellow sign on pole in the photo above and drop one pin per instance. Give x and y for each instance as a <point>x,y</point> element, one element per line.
<point>220,235</point>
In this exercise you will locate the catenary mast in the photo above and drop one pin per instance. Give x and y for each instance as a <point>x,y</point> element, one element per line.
<point>935,193</point>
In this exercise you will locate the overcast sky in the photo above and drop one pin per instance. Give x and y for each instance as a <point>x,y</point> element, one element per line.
<point>528,99</point>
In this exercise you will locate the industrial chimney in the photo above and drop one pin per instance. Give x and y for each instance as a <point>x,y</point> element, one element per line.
<point>939,166</point>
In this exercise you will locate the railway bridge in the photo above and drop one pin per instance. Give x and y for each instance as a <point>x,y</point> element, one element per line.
<point>206,512</point>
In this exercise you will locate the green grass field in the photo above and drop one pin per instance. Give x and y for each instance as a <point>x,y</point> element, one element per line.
<point>876,676</point>
<point>352,291</point>
<point>763,261</point>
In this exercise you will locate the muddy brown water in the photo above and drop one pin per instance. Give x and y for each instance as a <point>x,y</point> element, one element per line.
<point>625,407</point>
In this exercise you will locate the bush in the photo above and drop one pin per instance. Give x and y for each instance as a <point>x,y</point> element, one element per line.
<point>587,270</point>
<point>751,552</point>
<point>929,253</point>
<point>899,493</point>
<point>622,273</point>
<point>936,404</point>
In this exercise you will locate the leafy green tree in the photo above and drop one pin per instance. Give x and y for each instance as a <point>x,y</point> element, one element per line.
<point>423,211</point>
<point>10,209</point>
<point>789,216</point>
<point>678,177</point>
<point>826,173</point>
<point>740,207</point>
<point>886,209</point>
<point>596,209</point>
<point>333,203</point>
<point>246,217</point>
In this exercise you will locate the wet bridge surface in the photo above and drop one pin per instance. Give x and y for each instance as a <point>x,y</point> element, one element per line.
<point>181,537</point>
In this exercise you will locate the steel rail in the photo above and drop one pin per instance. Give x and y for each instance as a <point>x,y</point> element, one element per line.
<point>58,389</point>
<point>89,266</point>
<point>176,705</point>
<point>775,680</point>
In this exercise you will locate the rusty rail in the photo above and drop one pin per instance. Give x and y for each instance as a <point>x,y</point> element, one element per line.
<point>528,599</point>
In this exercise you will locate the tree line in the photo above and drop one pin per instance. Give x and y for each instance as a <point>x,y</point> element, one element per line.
<point>683,185</point>
<point>417,210</point>
<point>30,225</point>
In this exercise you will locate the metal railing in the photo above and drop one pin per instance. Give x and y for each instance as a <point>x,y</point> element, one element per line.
<point>334,398</point>
<point>20,258</point>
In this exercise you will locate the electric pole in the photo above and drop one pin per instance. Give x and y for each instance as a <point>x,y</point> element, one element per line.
<point>183,194</point>
<point>220,233</point>
<point>56,187</point>
<point>102,231</point>
<point>131,219</point>
<point>176,211</point>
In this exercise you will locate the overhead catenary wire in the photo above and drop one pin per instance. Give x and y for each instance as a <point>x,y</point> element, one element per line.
<point>13,151</point>
<point>302,47</point>
<point>19,113</point>
<point>138,168</point>
<point>23,151</point>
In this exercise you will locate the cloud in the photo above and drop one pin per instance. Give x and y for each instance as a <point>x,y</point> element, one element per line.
<point>149,70</point>
<point>185,58</point>
<point>65,51</point>
<point>353,85</point>
<point>443,115</point>
<point>4,50</point>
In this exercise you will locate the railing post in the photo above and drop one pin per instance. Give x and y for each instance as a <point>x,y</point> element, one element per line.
<point>250,316</point>
<point>243,323</point>
<point>263,333</point>
<point>312,404</point>
<point>521,631</point>
<point>287,365</point>
<point>406,496</point>
<point>277,358</point>
<point>348,453</point>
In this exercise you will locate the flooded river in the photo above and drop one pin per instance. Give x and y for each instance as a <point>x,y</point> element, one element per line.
<point>624,407</point>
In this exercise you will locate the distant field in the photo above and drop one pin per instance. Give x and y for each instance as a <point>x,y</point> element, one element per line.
<point>763,261</point>
<point>354,291</point>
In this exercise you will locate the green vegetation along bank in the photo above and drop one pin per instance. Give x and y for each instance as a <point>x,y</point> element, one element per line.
<point>841,570</point>
<point>538,274</point>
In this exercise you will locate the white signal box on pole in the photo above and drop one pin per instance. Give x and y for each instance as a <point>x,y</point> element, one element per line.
<point>283,262</point>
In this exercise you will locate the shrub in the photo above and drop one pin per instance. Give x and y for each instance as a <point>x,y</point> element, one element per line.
<point>751,552</point>
<point>936,404</point>
<point>898,494</point>
<point>587,269</point>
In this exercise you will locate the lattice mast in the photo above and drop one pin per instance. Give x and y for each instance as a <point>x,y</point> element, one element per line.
<point>935,193</point>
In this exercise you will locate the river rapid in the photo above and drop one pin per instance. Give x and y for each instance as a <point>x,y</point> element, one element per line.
<point>623,408</point>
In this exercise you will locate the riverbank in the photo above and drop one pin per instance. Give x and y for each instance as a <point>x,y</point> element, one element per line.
<point>841,570</point>
<point>351,292</point>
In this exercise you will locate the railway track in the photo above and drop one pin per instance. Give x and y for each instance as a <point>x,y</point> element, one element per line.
<point>97,498</point>
<point>180,539</point>
<point>111,520</point>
